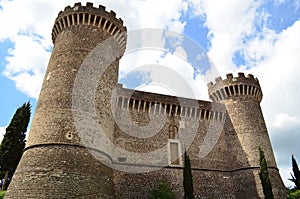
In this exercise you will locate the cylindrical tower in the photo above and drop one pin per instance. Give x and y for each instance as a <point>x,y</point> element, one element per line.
<point>55,163</point>
<point>242,96</point>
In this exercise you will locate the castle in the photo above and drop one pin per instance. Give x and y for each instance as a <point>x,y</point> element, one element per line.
<point>84,140</point>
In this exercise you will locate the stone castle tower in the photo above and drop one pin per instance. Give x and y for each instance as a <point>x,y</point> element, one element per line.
<point>58,162</point>
<point>54,158</point>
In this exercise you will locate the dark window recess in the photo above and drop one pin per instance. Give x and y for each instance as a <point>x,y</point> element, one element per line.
<point>122,159</point>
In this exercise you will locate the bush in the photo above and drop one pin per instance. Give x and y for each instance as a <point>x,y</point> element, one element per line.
<point>163,191</point>
<point>2,194</point>
<point>293,194</point>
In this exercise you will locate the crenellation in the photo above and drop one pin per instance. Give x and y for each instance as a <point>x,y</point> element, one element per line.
<point>102,8</point>
<point>241,75</point>
<point>66,8</point>
<point>250,76</point>
<point>112,13</point>
<point>234,87</point>
<point>229,76</point>
<point>156,104</point>
<point>209,85</point>
<point>89,4</point>
<point>78,4</point>
<point>218,79</point>
<point>84,14</point>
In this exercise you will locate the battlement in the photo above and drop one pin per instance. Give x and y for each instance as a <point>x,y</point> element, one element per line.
<point>158,104</point>
<point>234,87</point>
<point>91,16</point>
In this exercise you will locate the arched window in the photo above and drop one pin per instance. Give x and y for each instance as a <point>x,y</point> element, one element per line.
<point>173,132</point>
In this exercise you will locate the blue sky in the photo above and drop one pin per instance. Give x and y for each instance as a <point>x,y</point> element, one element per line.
<point>252,36</point>
<point>10,96</point>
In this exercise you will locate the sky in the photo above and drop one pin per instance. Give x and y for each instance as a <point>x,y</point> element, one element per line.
<point>260,37</point>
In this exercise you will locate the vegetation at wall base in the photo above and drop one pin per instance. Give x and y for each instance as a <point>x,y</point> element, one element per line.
<point>264,175</point>
<point>13,142</point>
<point>187,178</point>
<point>2,194</point>
<point>162,191</point>
<point>293,194</point>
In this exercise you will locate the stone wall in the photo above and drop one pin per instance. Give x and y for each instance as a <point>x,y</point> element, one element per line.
<point>242,96</point>
<point>60,159</point>
<point>222,162</point>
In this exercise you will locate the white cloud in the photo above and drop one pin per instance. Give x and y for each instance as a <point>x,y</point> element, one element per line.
<point>286,172</point>
<point>150,13</point>
<point>28,26</point>
<point>278,76</point>
<point>229,23</point>
<point>29,17</point>
<point>167,64</point>
<point>282,120</point>
<point>165,68</point>
<point>26,64</point>
<point>285,144</point>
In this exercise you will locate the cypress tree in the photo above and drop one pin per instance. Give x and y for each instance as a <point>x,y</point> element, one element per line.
<point>187,178</point>
<point>264,176</point>
<point>296,177</point>
<point>13,142</point>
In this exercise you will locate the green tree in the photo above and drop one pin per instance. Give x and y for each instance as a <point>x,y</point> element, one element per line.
<point>293,194</point>
<point>264,175</point>
<point>13,142</point>
<point>187,178</point>
<point>296,177</point>
<point>163,191</point>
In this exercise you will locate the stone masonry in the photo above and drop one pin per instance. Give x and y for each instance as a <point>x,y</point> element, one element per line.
<point>100,158</point>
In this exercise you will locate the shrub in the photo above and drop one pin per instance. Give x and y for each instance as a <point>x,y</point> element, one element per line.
<point>2,194</point>
<point>162,191</point>
<point>293,194</point>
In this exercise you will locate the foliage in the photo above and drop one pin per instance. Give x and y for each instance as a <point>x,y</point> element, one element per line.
<point>264,176</point>
<point>296,174</point>
<point>293,194</point>
<point>187,178</point>
<point>163,191</point>
<point>2,194</point>
<point>13,142</point>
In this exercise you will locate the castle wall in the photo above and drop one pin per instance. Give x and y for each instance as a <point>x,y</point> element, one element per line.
<point>129,185</point>
<point>242,96</point>
<point>61,159</point>
<point>215,169</point>
<point>60,172</point>
<point>146,128</point>
<point>220,164</point>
